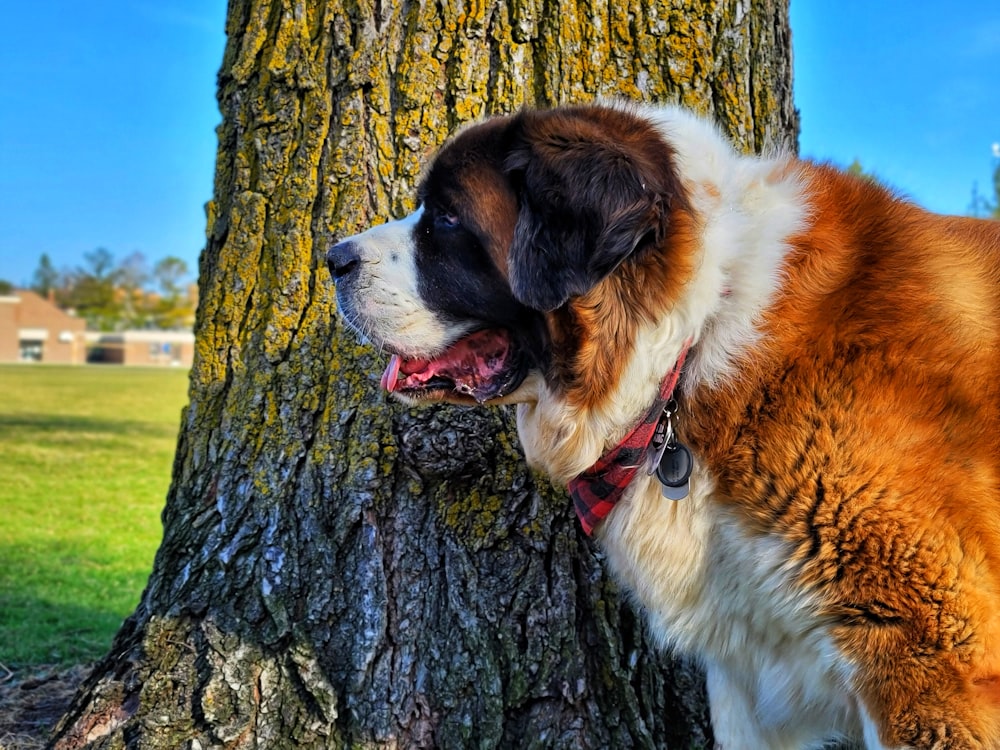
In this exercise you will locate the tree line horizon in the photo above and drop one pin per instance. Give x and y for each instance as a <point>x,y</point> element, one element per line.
<point>113,294</point>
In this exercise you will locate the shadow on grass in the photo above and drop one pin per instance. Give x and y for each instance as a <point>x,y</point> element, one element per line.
<point>35,631</point>
<point>52,423</point>
<point>62,600</point>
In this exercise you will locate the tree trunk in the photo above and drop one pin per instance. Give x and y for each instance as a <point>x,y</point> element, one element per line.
<point>339,571</point>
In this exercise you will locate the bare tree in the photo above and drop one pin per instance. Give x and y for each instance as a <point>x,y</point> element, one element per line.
<point>339,571</point>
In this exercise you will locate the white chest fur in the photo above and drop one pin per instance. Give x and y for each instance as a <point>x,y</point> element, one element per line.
<point>729,599</point>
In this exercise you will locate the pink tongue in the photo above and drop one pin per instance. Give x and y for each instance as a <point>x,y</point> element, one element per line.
<point>390,378</point>
<point>391,374</point>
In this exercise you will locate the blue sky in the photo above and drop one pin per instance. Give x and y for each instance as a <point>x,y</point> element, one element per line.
<point>910,89</point>
<point>107,132</point>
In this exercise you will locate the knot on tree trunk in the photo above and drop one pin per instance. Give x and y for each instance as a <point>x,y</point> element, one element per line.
<point>451,442</point>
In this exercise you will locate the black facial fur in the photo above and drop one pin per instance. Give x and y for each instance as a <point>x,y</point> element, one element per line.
<point>456,276</point>
<point>587,188</point>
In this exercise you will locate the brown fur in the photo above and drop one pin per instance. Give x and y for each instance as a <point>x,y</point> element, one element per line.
<point>603,321</point>
<point>866,432</point>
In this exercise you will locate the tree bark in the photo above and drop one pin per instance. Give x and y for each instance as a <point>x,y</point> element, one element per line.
<point>340,571</point>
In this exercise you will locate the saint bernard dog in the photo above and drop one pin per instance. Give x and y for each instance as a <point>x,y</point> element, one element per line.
<point>772,388</point>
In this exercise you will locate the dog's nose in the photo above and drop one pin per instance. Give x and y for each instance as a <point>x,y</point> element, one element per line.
<point>342,259</point>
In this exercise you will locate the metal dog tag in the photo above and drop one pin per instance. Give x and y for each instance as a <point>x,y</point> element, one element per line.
<point>674,470</point>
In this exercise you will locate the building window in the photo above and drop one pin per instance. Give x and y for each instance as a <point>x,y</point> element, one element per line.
<point>31,350</point>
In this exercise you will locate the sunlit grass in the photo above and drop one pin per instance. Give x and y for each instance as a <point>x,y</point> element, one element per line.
<point>85,457</point>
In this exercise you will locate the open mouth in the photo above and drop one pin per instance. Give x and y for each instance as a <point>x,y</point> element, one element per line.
<point>483,365</point>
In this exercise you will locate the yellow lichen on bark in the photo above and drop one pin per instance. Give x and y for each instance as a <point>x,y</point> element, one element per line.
<point>252,38</point>
<point>219,323</point>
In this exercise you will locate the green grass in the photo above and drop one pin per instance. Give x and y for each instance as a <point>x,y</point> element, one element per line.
<point>85,457</point>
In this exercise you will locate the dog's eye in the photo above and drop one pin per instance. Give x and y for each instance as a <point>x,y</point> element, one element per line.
<point>446,219</point>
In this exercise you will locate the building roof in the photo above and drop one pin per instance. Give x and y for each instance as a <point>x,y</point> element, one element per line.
<point>34,311</point>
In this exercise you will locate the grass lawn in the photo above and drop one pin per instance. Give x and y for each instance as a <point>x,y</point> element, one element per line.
<point>85,458</point>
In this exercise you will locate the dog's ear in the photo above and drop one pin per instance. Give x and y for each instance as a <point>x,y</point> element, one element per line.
<point>587,200</point>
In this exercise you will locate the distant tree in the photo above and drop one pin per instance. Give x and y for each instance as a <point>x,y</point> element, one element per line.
<point>171,274</point>
<point>175,308</point>
<point>132,278</point>
<point>857,169</point>
<point>6,287</point>
<point>92,291</point>
<point>46,278</point>
<point>996,182</point>
<point>101,263</point>
<point>133,271</point>
<point>980,205</point>
<point>114,295</point>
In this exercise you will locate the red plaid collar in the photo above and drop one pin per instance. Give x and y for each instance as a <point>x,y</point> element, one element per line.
<point>596,490</point>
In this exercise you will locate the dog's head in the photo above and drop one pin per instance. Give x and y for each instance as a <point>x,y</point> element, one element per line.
<point>542,243</point>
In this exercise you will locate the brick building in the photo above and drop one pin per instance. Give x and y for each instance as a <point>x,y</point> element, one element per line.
<point>170,348</point>
<point>33,329</point>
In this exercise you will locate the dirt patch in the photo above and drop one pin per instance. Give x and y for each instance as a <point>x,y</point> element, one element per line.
<point>32,700</point>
